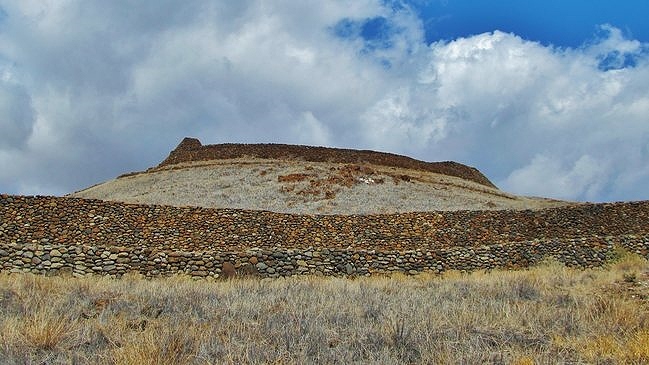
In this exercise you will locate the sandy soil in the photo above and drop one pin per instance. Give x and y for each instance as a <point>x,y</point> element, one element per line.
<point>306,188</point>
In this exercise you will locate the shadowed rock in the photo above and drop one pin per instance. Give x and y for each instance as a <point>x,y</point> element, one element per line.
<point>228,271</point>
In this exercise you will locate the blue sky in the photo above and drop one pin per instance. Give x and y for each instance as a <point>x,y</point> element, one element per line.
<point>546,98</point>
<point>561,23</point>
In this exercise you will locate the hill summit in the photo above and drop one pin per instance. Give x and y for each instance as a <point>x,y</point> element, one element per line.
<point>191,149</point>
<point>308,180</point>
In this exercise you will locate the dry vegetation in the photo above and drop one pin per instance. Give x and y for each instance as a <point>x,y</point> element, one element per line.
<point>547,314</point>
<point>307,188</point>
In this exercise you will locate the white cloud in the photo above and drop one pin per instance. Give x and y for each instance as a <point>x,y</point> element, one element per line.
<point>310,131</point>
<point>549,178</point>
<point>521,100</point>
<point>16,114</point>
<point>101,88</point>
<point>399,121</point>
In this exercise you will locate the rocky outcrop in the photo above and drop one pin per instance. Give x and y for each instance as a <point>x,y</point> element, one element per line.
<point>49,235</point>
<point>191,150</point>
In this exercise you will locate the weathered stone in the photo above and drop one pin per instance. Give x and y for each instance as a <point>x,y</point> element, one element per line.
<point>249,269</point>
<point>164,240</point>
<point>228,270</point>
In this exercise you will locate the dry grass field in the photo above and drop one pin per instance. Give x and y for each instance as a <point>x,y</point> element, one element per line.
<point>544,315</point>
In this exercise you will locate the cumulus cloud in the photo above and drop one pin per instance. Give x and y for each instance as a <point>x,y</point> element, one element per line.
<point>311,130</point>
<point>403,120</point>
<point>527,108</point>
<point>100,88</point>
<point>548,177</point>
<point>116,85</point>
<point>16,115</point>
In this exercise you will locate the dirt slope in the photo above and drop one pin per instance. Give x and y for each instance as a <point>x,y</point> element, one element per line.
<point>308,180</point>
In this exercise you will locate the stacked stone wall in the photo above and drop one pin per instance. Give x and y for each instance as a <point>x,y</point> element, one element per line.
<point>49,235</point>
<point>191,150</point>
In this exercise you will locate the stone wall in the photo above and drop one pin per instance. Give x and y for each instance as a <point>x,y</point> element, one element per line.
<point>191,150</point>
<point>49,235</point>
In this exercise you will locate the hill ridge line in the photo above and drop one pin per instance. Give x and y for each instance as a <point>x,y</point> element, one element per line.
<point>192,150</point>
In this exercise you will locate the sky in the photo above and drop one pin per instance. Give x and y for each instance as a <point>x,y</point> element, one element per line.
<point>547,98</point>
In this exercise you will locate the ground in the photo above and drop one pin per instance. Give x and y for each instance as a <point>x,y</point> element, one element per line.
<point>307,188</point>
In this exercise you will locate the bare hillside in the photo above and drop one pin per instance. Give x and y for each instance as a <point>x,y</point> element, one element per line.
<point>308,180</point>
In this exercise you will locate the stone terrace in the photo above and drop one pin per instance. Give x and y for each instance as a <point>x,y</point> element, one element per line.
<point>44,234</point>
<point>191,150</point>
<point>76,221</point>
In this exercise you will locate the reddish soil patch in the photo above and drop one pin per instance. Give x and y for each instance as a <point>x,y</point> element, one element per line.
<point>293,177</point>
<point>328,186</point>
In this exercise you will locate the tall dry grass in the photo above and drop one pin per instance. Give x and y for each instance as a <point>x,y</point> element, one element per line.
<point>547,314</point>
